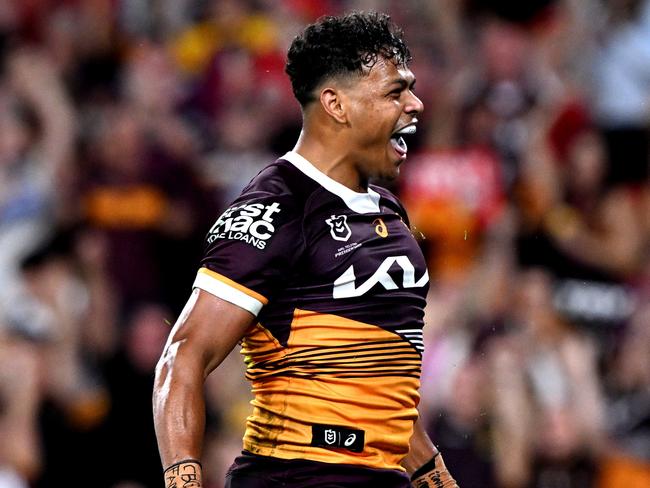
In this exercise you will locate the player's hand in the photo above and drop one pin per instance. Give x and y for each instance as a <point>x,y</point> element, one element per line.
<point>184,474</point>
<point>433,474</point>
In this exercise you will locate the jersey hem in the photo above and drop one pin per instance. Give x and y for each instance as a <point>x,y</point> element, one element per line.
<point>325,456</point>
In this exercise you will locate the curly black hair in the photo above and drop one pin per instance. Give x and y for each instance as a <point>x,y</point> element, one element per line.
<point>334,46</point>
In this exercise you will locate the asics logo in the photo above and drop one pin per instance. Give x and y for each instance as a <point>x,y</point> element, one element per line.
<point>345,285</point>
<point>380,228</point>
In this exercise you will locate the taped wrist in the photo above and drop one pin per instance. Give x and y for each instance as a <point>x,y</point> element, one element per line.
<point>184,474</point>
<point>433,474</point>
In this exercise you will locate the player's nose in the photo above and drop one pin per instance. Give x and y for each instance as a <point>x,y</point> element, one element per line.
<point>413,104</point>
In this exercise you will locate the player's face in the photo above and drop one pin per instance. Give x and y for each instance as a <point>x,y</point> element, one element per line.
<point>382,109</point>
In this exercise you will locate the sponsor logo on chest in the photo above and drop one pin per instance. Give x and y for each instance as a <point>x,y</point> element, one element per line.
<point>345,285</point>
<point>251,223</point>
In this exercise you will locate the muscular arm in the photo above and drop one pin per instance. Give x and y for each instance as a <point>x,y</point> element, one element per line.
<point>424,462</point>
<point>37,81</point>
<point>206,331</point>
<point>615,247</point>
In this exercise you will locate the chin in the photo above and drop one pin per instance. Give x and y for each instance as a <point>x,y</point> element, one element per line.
<point>389,175</point>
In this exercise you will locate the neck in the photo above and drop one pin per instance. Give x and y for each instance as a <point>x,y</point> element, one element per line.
<point>330,158</point>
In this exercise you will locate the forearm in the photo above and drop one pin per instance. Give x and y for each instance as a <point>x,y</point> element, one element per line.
<point>607,252</point>
<point>179,407</point>
<point>511,422</point>
<point>616,249</point>
<point>38,83</point>
<point>19,388</point>
<point>424,462</point>
<point>580,362</point>
<point>421,449</point>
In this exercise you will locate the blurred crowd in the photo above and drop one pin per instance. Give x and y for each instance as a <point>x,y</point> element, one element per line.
<point>126,126</point>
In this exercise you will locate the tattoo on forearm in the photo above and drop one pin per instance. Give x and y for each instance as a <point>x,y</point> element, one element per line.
<point>186,474</point>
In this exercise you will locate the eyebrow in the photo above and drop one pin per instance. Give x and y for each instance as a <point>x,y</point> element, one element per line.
<point>402,82</point>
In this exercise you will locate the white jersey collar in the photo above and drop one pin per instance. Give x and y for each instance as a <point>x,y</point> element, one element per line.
<point>358,202</point>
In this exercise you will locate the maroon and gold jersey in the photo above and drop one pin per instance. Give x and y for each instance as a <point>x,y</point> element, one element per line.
<point>338,285</point>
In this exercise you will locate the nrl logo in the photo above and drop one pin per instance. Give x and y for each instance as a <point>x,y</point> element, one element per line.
<point>339,228</point>
<point>330,436</point>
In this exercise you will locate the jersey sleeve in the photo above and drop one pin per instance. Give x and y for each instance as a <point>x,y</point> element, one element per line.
<point>250,250</point>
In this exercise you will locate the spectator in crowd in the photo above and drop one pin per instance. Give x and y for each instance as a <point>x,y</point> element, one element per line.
<point>585,231</point>
<point>20,455</point>
<point>626,462</point>
<point>547,403</point>
<point>74,299</point>
<point>129,378</point>
<point>37,129</point>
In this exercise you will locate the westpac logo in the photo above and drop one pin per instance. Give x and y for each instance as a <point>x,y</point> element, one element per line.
<point>251,223</point>
<point>339,228</point>
<point>345,285</point>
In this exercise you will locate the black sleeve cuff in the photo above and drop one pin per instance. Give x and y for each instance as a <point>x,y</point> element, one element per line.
<point>426,467</point>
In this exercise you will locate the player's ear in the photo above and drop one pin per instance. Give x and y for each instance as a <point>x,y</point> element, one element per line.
<point>332,101</point>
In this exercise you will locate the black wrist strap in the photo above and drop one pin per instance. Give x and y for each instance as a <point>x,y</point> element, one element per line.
<point>184,461</point>
<point>426,467</point>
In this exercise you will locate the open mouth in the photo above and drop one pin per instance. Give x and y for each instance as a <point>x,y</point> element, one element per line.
<point>397,141</point>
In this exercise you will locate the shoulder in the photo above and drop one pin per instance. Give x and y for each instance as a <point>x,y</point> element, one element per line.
<point>280,180</point>
<point>277,195</point>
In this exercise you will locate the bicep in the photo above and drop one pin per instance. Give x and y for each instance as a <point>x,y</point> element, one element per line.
<point>208,328</point>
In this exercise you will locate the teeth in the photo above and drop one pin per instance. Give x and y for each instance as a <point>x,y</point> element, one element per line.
<point>407,130</point>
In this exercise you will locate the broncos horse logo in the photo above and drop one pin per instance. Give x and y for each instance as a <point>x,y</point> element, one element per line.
<point>339,227</point>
